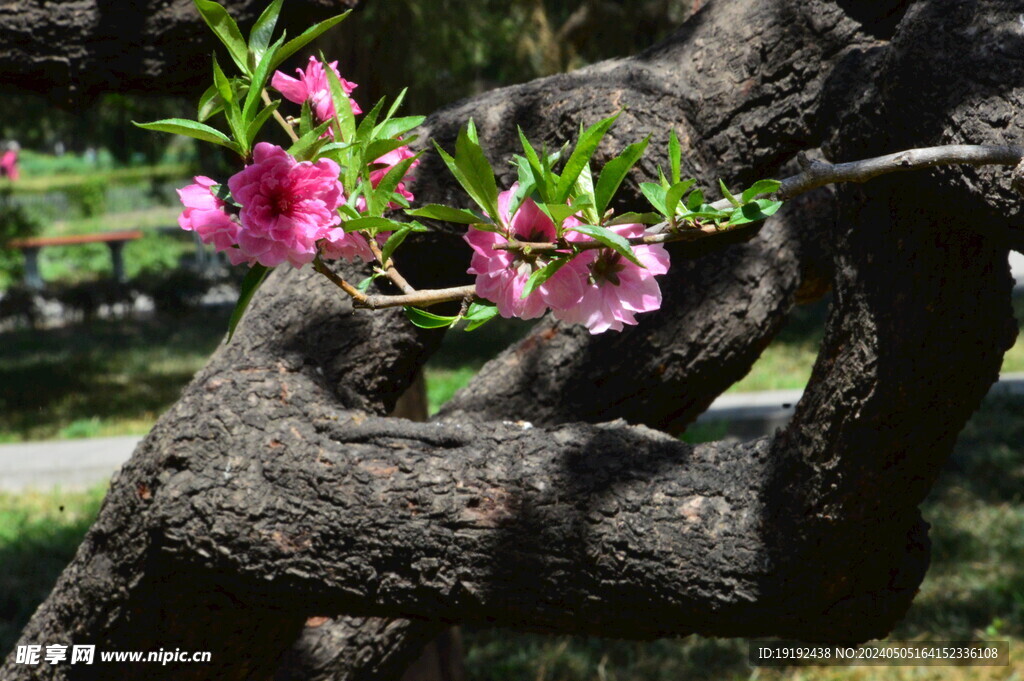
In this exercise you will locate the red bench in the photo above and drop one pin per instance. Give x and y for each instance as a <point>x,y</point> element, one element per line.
<point>31,247</point>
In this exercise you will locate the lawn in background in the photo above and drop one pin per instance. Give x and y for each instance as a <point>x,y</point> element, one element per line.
<point>115,377</point>
<point>974,589</point>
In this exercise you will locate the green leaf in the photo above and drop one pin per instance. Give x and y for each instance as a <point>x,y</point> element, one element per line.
<point>259,81</point>
<point>675,156</point>
<point>635,219</point>
<point>364,285</point>
<point>695,200</point>
<point>302,147</point>
<point>542,275</point>
<point>581,155</point>
<point>476,169</point>
<point>398,126</point>
<point>558,212</point>
<point>674,194</point>
<point>259,121</point>
<point>428,320</point>
<point>395,104</point>
<point>210,102</point>
<point>305,119</point>
<point>541,179</point>
<point>435,211</point>
<point>728,194</point>
<point>227,93</point>
<point>307,36</point>
<point>616,242</point>
<point>252,281</point>
<point>389,183</point>
<point>656,195</point>
<point>183,126</point>
<point>345,119</point>
<point>378,148</point>
<point>479,314</point>
<point>760,187</point>
<point>755,211</point>
<point>225,28</point>
<point>615,171</point>
<point>263,30</point>
<point>371,224</point>
<point>584,191</point>
<point>395,240</point>
<point>368,124</point>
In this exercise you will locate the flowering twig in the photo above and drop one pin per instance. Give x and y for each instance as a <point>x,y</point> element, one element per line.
<point>688,234</point>
<point>814,174</point>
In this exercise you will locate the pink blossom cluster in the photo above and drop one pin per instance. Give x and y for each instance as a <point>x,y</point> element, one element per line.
<point>289,209</point>
<point>597,288</point>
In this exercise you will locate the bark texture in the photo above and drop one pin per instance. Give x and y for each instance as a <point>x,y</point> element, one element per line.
<point>73,50</point>
<point>275,490</point>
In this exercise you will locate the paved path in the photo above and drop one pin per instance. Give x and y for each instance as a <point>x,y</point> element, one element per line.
<point>68,464</point>
<point>74,464</point>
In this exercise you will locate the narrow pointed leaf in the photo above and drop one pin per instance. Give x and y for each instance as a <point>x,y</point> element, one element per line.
<point>675,157</point>
<point>183,126</point>
<point>581,155</point>
<point>446,214</point>
<point>760,187</point>
<point>259,81</point>
<point>393,242</point>
<point>542,275</point>
<point>616,242</point>
<point>428,320</point>
<point>479,314</point>
<point>225,28</point>
<point>655,194</point>
<point>301,148</point>
<point>306,37</point>
<point>728,194</point>
<point>263,30</point>
<point>210,102</point>
<point>259,121</point>
<point>614,172</point>
<point>675,194</point>
<point>344,118</point>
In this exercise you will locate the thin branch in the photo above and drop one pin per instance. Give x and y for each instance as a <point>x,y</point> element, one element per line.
<point>389,269</point>
<point>358,297</point>
<point>424,298</point>
<point>820,173</point>
<point>280,119</point>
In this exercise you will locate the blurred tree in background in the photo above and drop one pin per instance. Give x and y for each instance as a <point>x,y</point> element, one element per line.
<point>444,50</point>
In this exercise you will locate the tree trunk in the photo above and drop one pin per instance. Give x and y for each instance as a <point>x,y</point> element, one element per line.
<point>276,490</point>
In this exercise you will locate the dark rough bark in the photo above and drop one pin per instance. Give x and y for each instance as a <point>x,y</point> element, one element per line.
<point>71,51</point>
<point>275,490</point>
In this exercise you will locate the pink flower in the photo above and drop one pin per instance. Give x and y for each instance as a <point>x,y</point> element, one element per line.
<point>618,289</point>
<point>501,276</point>
<point>341,245</point>
<point>287,206</point>
<point>204,214</point>
<point>312,85</point>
